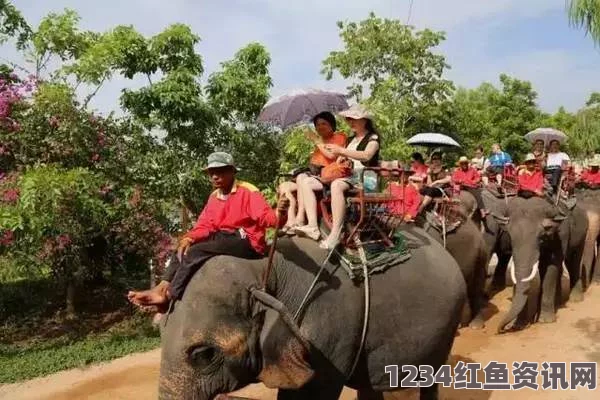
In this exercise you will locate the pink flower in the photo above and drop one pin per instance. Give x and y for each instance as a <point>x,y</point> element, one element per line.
<point>96,157</point>
<point>7,238</point>
<point>14,76</point>
<point>63,241</point>
<point>10,196</point>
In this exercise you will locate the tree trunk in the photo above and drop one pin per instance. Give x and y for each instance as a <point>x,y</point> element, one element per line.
<point>70,298</point>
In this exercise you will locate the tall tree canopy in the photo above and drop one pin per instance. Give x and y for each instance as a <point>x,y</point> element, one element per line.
<point>396,67</point>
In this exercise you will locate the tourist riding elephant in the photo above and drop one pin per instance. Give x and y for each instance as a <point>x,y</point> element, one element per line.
<point>589,200</point>
<point>466,245</point>
<point>543,242</point>
<point>226,332</point>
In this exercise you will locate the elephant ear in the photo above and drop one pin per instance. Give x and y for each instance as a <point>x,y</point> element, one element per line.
<point>285,353</point>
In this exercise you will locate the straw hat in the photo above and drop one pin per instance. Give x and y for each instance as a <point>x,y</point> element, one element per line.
<point>462,160</point>
<point>595,161</point>
<point>357,111</point>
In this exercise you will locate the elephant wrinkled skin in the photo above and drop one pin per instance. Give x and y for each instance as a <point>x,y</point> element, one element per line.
<point>220,338</point>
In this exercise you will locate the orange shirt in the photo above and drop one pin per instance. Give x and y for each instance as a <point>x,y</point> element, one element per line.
<point>318,158</point>
<point>534,181</point>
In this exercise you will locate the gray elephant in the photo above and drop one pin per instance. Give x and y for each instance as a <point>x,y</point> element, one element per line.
<point>466,244</point>
<point>496,238</point>
<point>589,200</point>
<point>225,333</point>
<point>543,242</point>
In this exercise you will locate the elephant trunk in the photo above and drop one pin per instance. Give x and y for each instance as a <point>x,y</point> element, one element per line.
<point>524,273</point>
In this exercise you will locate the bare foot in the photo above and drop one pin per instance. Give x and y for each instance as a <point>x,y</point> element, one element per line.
<point>156,296</point>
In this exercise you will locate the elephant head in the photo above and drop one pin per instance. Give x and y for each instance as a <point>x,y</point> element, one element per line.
<point>224,335</point>
<point>534,227</point>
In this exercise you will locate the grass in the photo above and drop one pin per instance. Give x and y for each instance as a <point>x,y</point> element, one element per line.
<point>36,338</point>
<point>20,362</point>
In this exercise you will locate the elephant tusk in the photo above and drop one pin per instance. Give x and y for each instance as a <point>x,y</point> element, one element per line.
<point>511,267</point>
<point>565,271</point>
<point>533,272</point>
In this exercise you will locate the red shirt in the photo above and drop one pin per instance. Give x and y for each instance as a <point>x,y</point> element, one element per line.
<point>533,181</point>
<point>591,178</point>
<point>245,208</point>
<point>419,169</point>
<point>470,177</point>
<point>406,202</point>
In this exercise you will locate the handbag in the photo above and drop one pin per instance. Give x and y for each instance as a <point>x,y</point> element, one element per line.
<point>336,170</point>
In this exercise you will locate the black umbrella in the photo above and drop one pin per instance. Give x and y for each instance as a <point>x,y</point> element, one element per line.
<point>300,107</point>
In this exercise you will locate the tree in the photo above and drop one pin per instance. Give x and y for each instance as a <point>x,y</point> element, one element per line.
<point>12,24</point>
<point>586,14</point>
<point>399,69</point>
<point>488,115</point>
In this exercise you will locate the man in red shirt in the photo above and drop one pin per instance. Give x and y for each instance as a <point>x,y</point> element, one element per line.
<point>531,179</point>
<point>407,198</point>
<point>233,222</point>
<point>469,179</point>
<point>591,177</point>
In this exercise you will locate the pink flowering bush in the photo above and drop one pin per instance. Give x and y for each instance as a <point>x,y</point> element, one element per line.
<point>81,195</point>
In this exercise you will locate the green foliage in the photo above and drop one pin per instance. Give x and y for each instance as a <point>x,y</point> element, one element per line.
<point>584,138</point>
<point>400,70</point>
<point>12,24</point>
<point>488,115</point>
<point>20,362</point>
<point>241,88</point>
<point>586,14</point>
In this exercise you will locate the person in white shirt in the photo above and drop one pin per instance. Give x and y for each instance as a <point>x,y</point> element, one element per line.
<point>556,161</point>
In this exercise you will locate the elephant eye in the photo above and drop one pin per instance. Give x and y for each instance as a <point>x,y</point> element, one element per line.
<point>203,356</point>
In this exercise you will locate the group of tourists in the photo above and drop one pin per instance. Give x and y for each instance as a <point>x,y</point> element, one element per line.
<point>236,216</point>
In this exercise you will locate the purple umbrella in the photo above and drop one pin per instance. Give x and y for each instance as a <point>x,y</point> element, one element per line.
<point>300,107</point>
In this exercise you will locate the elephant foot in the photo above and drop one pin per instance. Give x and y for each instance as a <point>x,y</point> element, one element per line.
<point>477,323</point>
<point>576,295</point>
<point>547,318</point>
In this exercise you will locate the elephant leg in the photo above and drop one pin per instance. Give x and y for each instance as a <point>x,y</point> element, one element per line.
<point>478,301</point>
<point>596,273</point>
<point>499,278</point>
<point>549,293</point>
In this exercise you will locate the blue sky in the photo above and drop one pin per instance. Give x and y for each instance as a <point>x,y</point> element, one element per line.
<point>529,39</point>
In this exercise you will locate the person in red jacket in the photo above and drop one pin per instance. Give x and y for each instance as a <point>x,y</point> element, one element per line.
<point>591,177</point>
<point>407,198</point>
<point>531,179</point>
<point>469,179</point>
<point>233,222</point>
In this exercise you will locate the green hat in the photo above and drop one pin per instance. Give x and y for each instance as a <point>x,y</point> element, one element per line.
<point>220,159</point>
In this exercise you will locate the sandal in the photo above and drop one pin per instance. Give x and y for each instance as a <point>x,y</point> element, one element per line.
<point>324,244</point>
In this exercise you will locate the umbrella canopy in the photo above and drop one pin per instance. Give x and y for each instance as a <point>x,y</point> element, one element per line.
<point>432,140</point>
<point>300,107</point>
<point>547,135</point>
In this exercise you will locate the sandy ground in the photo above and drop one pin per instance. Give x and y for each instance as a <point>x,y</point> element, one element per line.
<point>574,337</point>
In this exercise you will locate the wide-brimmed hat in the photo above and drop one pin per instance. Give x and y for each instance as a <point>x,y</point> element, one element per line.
<point>462,160</point>
<point>530,157</point>
<point>357,111</point>
<point>220,159</point>
<point>595,161</point>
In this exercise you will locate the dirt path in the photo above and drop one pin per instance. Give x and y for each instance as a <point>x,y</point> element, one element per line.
<point>574,337</point>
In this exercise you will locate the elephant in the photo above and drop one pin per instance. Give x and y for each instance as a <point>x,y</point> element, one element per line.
<point>227,331</point>
<point>589,200</point>
<point>543,242</point>
<point>466,245</point>
<point>496,238</point>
